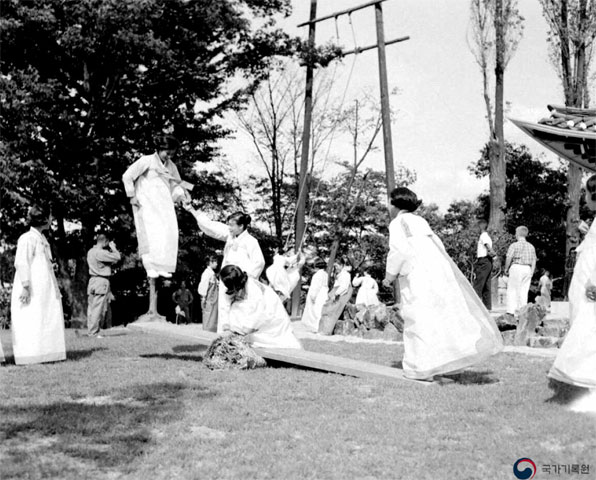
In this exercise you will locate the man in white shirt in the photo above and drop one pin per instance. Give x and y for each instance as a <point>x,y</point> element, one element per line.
<point>484,264</point>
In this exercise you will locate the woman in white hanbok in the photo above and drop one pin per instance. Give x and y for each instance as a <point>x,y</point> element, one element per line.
<point>337,299</point>
<point>446,326</point>
<point>316,297</point>
<point>367,294</point>
<point>154,185</point>
<point>241,248</point>
<point>253,309</point>
<point>576,361</point>
<point>36,304</point>
<point>284,273</point>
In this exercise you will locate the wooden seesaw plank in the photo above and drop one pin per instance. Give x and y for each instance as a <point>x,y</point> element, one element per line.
<point>302,358</point>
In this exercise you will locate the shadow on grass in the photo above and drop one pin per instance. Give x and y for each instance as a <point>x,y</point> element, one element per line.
<point>74,355</point>
<point>189,348</point>
<point>466,377</point>
<point>563,393</point>
<point>196,349</point>
<point>109,431</point>
<point>173,356</point>
<point>473,378</point>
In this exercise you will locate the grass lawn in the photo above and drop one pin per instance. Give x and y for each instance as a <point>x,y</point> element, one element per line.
<point>138,406</point>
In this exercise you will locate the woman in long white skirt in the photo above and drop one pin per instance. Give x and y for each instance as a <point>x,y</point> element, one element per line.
<point>576,362</point>
<point>154,185</point>
<point>367,293</point>
<point>446,326</point>
<point>316,297</point>
<point>36,304</point>
<point>253,309</point>
<point>241,248</point>
<point>338,297</point>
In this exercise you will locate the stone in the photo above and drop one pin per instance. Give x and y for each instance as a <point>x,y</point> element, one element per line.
<point>543,342</point>
<point>556,322</point>
<point>350,311</point>
<point>552,331</point>
<point>380,315</point>
<point>506,322</point>
<point>344,327</point>
<point>529,318</point>
<point>373,334</point>
<point>508,336</point>
<point>364,318</point>
<point>391,333</point>
<point>395,318</point>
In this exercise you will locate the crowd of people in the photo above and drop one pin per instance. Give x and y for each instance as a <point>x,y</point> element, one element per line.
<point>447,326</point>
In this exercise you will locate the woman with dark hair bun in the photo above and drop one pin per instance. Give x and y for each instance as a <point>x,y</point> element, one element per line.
<point>405,199</point>
<point>446,326</point>
<point>316,296</point>
<point>153,185</point>
<point>36,304</point>
<point>576,361</point>
<point>250,308</point>
<point>241,248</point>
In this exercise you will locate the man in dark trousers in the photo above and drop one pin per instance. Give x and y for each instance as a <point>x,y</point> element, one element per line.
<point>183,298</point>
<point>484,264</point>
<point>100,260</point>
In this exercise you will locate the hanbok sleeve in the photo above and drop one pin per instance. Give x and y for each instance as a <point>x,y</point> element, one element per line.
<point>255,256</point>
<point>343,284</point>
<point>374,286</point>
<point>316,283</point>
<point>357,281</point>
<point>224,311</point>
<point>248,314</point>
<point>23,259</point>
<point>204,283</point>
<point>217,230</point>
<point>133,172</point>
<point>399,250</point>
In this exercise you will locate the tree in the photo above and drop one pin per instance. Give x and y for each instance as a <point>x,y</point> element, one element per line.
<point>572,30</point>
<point>273,121</point>
<point>496,29</point>
<point>362,235</point>
<point>536,198</point>
<point>85,87</point>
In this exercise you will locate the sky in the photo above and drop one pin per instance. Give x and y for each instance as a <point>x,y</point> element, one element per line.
<point>441,123</point>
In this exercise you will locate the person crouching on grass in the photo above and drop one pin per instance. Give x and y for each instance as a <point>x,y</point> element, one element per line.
<point>253,309</point>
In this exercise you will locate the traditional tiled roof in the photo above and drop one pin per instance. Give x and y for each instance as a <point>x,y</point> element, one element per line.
<point>571,118</point>
<point>568,132</point>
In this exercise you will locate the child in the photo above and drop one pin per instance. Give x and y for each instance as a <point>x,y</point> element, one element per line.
<point>546,285</point>
<point>208,291</point>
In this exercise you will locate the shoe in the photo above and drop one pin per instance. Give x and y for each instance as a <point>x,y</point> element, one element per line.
<point>152,273</point>
<point>163,274</point>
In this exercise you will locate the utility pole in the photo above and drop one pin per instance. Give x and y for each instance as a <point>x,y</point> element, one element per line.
<point>303,180</point>
<point>385,114</point>
<point>385,110</point>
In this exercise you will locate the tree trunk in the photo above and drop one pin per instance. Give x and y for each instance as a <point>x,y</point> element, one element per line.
<point>574,88</point>
<point>497,175</point>
<point>497,179</point>
<point>74,284</point>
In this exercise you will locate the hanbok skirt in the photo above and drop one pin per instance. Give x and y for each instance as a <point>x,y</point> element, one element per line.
<point>446,326</point>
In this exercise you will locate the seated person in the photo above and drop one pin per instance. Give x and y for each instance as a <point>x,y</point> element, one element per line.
<point>253,309</point>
